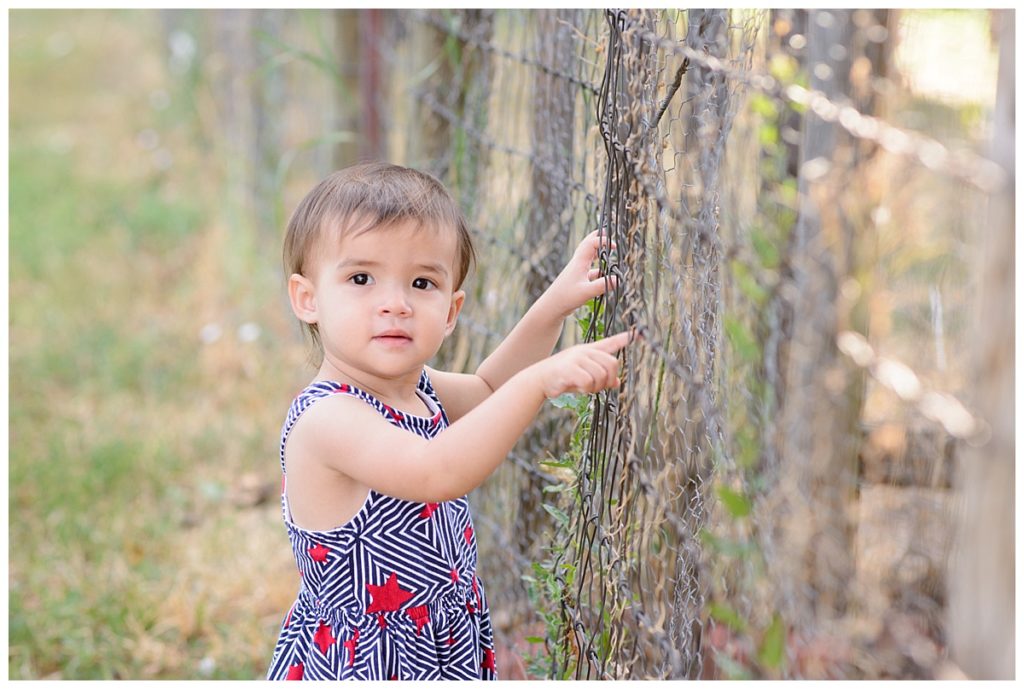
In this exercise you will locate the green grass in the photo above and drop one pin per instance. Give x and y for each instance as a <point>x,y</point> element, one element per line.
<point>79,463</point>
<point>118,415</point>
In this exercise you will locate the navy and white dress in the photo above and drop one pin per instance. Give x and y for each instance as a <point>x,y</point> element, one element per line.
<point>393,593</point>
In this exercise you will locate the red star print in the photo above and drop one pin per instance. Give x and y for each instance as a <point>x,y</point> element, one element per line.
<point>489,660</point>
<point>389,597</point>
<point>350,646</point>
<point>295,672</point>
<point>455,575</point>
<point>428,509</point>
<point>468,534</point>
<point>323,637</point>
<point>436,420</point>
<point>469,606</point>
<point>420,616</point>
<point>342,388</point>
<point>318,553</point>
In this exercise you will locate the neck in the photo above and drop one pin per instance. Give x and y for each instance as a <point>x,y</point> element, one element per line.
<point>396,391</point>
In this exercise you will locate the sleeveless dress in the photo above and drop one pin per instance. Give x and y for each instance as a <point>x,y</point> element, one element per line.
<point>392,593</point>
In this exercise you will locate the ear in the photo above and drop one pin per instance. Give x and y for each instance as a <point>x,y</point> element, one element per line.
<point>302,295</point>
<point>458,299</point>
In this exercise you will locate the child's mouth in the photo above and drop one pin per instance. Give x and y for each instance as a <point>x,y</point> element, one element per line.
<point>393,338</point>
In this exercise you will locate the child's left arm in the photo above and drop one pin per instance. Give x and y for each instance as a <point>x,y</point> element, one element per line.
<point>534,337</point>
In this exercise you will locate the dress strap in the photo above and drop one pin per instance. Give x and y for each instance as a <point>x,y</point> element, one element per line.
<point>325,388</point>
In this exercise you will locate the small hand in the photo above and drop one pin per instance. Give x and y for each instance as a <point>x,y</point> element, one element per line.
<point>586,368</point>
<point>578,282</point>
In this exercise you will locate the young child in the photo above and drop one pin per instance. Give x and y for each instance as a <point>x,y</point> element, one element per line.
<point>380,450</point>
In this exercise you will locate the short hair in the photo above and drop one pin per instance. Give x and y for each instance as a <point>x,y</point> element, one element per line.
<point>366,196</point>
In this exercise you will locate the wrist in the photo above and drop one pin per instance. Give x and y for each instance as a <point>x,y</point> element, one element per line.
<point>548,311</point>
<point>532,378</point>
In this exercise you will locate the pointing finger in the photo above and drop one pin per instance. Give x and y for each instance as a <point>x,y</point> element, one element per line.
<point>615,342</point>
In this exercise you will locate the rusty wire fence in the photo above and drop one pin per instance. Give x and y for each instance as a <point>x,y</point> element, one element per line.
<point>770,492</point>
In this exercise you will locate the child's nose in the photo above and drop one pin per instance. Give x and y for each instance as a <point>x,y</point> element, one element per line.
<point>395,303</point>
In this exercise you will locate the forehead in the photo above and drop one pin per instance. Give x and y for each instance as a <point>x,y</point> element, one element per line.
<point>401,239</point>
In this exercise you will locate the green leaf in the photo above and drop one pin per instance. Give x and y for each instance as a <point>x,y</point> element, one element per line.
<point>567,401</point>
<point>737,504</point>
<point>767,135</point>
<point>747,447</point>
<point>561,517</point>
<point>763,106</point>
<point>534,639</point>
<point>726,615</point>
<point>725,546</point>
<point>765,249</point>
<point>741,340</point>
<point>773,644</point>
<point>748,284</point>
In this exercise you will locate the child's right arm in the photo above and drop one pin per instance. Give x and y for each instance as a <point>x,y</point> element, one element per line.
<point>349,436</point>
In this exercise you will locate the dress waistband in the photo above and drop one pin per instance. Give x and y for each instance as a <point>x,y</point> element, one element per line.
<point>459,597</point>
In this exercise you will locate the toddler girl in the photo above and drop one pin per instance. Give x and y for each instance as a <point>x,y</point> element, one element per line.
<point>374,492</point>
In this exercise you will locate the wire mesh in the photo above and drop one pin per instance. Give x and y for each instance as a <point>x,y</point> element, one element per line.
<point>722,513</point>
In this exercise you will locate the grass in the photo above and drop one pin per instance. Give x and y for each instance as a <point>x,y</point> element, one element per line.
<point>134,552</point>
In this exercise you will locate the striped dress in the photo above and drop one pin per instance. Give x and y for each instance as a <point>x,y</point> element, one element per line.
<point>393,593</point>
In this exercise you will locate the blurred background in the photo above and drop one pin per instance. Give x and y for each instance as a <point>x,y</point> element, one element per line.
<point>809,473</point>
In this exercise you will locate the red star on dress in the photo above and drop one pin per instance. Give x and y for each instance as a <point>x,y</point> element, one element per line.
<point>489,660</point>
<point>318,553</point>
<point>468,534</point>
<point>455,575</point>
<point>420,615</point>
<point>295,672</point>
<point>389,597</point>
<point>428,509</point>
<point>323,637</point>
<point>342,388</point>
<point>350,646</point>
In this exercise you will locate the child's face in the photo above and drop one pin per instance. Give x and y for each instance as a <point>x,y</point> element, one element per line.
<point>383,300</point>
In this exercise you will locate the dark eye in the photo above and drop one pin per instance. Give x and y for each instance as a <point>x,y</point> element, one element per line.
<point>360,279</point>
<point>422,283</point>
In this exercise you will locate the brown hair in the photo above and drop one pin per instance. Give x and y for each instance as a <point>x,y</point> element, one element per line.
<point>366,196</point>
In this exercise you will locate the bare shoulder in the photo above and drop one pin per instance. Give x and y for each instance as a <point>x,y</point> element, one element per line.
<point>344,434</point>
<point>329,423</point>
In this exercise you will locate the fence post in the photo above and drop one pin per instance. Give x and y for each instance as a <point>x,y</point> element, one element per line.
<point>810,554</point>
<point>981,613</point>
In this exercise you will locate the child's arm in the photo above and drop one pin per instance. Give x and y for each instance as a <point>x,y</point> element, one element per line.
<point>349,436</point>
<point>533,338</point>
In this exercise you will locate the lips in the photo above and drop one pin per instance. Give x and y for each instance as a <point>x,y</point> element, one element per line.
<point>393,337</point>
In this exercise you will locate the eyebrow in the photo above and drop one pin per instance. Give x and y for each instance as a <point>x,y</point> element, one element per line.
<point>362,262</point>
